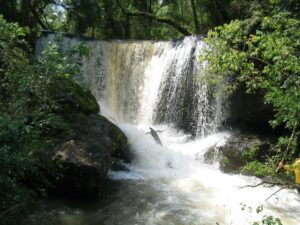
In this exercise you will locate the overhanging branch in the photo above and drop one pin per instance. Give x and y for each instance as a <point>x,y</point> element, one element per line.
<point>169,22</point>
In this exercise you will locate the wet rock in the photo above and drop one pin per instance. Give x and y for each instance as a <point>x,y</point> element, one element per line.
<point>84,100</point>
<point>211,155</point>
<point>79,100</point>
<point>88,157</point>
<point>99,130</point>
<point>85,168</point>
<point>231,154</point>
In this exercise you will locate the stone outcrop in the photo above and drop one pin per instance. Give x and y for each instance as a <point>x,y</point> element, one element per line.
<point>231,155</point>
<point>88,157</point>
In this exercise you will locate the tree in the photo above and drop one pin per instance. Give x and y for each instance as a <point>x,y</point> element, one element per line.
<point>84,15</point>
<point>262,52</point>
<point>39,103</point>
<point>129,19</point>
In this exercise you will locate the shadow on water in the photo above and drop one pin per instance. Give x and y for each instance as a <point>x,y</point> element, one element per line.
<point>67,210</point>
<point>121,202</point>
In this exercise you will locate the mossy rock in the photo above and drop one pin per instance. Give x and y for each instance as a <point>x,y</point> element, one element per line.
<point>78,100</point>
<point>226,165</point>
<point>243,148</point>
<point>210,155</point>
<point>86,101</point>
<point>98,129</point>
<point>119,145</point>
<point>229,164</point>
<point>89,155</point>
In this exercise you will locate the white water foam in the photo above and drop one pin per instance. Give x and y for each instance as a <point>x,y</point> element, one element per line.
<point>203,193</point>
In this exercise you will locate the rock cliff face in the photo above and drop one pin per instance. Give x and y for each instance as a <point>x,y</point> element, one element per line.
<point>87,158</point>
<point>249,112</point>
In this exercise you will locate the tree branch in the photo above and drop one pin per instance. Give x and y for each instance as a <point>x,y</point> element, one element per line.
<point>274,193</point>
<point>10,209</point>
<point>170,22</point>
<point>258,59</point>
<point>37,18</point>
<point>159,8</point>
<point>266,63</point>
<point>272,184</point>
<point>195,17</point>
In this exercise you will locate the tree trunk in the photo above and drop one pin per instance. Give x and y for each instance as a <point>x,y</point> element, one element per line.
<point>37,18</point>
<point>127,31</point>
<point>195,18</point>
<point>110,22</point>
<point>150,20</point>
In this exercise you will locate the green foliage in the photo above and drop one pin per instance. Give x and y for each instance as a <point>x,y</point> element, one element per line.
<point>84,15</point>
<point>267,219</point>
<point>251,154</point>
<point>39,103</point>
<point>263,53</point>
<point>260,163</point>
<point>259,169</point>
<point>106,19</point>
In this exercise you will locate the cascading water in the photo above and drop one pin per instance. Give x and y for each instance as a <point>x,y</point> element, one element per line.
<point>141,84</point>
<point>151,82</point>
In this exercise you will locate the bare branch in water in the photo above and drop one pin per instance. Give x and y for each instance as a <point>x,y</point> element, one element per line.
<point>272,184</point>
<point>275,193</point>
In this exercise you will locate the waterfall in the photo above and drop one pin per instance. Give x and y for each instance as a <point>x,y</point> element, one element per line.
<point>160,84</point>
<point>151,82</point>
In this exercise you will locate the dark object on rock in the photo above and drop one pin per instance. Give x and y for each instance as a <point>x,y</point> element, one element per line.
<point>88,157</point>
<point>155,136</point>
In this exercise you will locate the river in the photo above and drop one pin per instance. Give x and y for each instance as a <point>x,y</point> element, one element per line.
<point>142,84</point>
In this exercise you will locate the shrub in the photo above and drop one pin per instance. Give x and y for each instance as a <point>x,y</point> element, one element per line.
<point>39,103</point>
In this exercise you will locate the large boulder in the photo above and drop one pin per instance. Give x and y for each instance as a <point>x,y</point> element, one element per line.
<point>88,156</point>
<point>231,155</point>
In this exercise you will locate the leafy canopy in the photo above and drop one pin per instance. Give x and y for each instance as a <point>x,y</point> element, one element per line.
<point>263,53</point>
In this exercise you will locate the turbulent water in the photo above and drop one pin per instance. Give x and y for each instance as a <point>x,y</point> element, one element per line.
<point>141,84</point>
